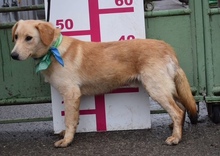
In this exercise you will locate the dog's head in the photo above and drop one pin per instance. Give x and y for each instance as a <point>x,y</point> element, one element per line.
<point>32,38</point>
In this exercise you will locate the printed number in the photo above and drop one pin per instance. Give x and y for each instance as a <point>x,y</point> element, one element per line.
<point>122,2</point>
<point>130,37</point>
<point>68,24</point>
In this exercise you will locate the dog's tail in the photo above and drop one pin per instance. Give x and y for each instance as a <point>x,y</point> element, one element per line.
<point>185,96</point>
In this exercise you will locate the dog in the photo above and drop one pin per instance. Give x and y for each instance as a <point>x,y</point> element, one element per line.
<point>77,68</point>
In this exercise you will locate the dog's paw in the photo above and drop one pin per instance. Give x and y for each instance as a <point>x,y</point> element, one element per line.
<point>62,143</point>
<point>172,140</point>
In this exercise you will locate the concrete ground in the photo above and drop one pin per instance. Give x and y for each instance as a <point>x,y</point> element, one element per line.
<point>36,139</point>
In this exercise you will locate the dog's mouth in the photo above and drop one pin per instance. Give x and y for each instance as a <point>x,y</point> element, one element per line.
<point>36,58</point>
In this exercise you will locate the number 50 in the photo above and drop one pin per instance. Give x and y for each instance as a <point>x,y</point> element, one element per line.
<point>68,23</point>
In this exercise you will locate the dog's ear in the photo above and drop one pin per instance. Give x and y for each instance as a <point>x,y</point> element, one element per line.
<point>13,30</point>
<point>47,32</point>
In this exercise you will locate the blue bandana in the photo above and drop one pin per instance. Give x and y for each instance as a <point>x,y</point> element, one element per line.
<point>46,61</point>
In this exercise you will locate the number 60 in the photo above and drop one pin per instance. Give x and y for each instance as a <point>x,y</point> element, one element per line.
<point>122,2</point>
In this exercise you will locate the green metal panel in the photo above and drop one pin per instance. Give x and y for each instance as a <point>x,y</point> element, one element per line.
<point>18,81</point>
<point>212,54</point>
<point>215,38</point>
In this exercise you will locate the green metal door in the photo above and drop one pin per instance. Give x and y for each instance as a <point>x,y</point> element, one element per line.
<point>212,51</point>
<point>212,55</point>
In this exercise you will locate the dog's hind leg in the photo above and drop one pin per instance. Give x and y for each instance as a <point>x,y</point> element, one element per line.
<point>161,88</point>
<point>177,116</point>
<point>184,114</point>
<point>71,104</point>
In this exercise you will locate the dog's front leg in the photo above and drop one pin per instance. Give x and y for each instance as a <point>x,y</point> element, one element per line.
<point>71,102</point>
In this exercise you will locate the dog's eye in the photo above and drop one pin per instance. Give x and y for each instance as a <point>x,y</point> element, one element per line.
<point>16,37</point>
<point>28,38</point>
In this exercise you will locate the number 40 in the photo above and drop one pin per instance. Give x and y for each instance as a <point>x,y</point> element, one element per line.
<point>129,37</point>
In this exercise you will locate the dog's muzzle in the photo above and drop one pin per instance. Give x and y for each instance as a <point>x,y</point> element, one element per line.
<point>15,55</point>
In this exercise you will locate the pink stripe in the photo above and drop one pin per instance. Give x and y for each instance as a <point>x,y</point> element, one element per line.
<point>76,33</point>
<point>83,112</point>
<point>125,90</point>
<point>116,10</point>
<point>86,112</point>
<point>94,20</point>
<point>101,115</point>
<point>62,113</point>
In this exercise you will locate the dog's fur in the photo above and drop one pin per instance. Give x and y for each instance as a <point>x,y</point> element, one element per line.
<point>93,68</point>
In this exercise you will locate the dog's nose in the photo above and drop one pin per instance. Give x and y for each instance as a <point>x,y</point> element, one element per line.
<point>15,56</point>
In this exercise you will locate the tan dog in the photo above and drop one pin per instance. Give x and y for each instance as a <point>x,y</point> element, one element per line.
<point>93,68</point>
